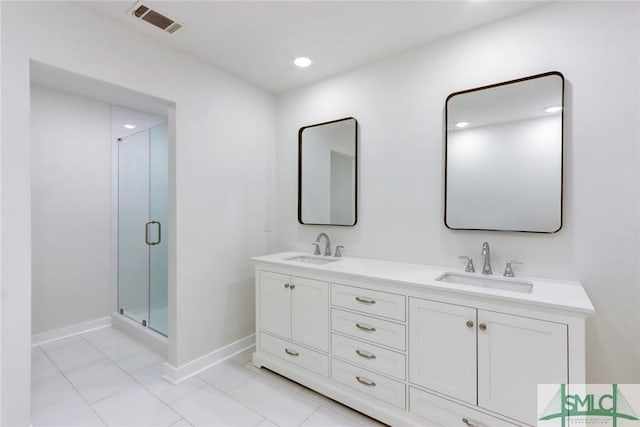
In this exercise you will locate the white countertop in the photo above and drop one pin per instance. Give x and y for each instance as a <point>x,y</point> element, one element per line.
<point>559,294</point>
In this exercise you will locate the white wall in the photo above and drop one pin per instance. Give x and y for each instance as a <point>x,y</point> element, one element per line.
<point>224,139</point>
<point>399,103</point>
<point>70,209</point>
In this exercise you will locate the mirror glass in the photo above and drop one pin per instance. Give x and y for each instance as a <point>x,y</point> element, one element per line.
<point>504,156</point>
<point>327,173</point>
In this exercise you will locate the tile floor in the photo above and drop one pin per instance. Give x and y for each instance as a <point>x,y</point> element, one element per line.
<point>105,378</point>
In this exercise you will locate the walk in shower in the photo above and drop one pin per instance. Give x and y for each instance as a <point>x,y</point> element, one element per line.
<point>143,188</point>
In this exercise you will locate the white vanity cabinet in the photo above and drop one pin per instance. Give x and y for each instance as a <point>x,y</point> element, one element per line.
<point>513,355</point>
<point>369,340</point>
<point>293,311</point>
<point>442,354</point>
<point>389,340</point>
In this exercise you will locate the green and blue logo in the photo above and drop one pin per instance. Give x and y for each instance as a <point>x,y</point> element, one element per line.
<point>595,405</point>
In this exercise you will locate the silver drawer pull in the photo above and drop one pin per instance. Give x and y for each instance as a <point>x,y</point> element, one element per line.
<point>469,423</point>
<point>365,327</point>
<point>365,354</point>
<point>291,352</point>
<point>365,381</point>
<point>365,300</point>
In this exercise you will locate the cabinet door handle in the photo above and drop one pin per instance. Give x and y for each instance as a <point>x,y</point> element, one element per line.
<point>286,285</point>
<point>469,323</point>
<point>365,327</point>
<point>482,326</point>
<point>291,352</point>
<point>293,286</point>
<point>365,354</point>
<point>469,423</point>
<point>365,381</point>
<point>365,300</point>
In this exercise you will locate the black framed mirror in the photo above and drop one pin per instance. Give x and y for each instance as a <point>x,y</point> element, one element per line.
<point>328,173</point>
<point>503,156</point>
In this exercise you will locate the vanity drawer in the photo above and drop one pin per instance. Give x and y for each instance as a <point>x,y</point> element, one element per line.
<point>369,356</point>
<point>301,356</point>
<point>368,328</point>
<point>369,301</point>
<point>382,388</point>
<point>442,412</point>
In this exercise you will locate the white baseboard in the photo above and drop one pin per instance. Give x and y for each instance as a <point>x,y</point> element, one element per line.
<point>69,331</point>
<point>176,375</point>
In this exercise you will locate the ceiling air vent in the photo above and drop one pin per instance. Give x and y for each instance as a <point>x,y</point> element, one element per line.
<point>155,18</point>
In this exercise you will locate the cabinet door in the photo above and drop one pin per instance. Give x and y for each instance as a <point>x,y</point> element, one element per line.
<point>515,354</point>
<point>275,303</point>
<point>442,348</point>
<point>310,312</point>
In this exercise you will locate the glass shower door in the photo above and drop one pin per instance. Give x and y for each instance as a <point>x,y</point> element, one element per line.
<point>158,208</point>
<point>142,219</point>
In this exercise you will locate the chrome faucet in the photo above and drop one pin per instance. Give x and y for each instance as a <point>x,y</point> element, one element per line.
<point>486,253</point>
<point>327,246</point>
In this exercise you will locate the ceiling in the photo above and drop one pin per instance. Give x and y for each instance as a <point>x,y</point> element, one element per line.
<point>258,40</point>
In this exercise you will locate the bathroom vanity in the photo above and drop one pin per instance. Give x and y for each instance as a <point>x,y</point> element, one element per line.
<point>412,344</point>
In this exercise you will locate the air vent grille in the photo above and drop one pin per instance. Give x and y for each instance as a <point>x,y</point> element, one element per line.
<point>173,27</point>
<point>155,18</point>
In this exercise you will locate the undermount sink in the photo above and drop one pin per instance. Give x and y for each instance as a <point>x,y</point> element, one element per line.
<point>311,259</point>
<point>487,282</point>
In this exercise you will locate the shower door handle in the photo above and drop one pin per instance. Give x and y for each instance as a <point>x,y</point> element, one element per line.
<point>146,233</point>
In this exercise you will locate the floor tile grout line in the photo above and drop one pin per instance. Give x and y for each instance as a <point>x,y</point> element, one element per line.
<point>53,366</point>
<point>257,373</point>
<point>78,367</point>
<point>285,388</point>
<point>118,365</point>
<point>351,418</point>
<point>72,386</point>
<point>135,380</point>
<point>183,419</point>
<point>168,405</point>
<point>253,374</point>
<point>84,400</point>
<point>107,358</point>
<point>130,375</point>
<point>310,415</point>
<point>242,403</point>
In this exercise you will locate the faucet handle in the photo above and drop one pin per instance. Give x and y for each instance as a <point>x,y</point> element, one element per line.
<point>469,268</point>
<point>508,271</point>
<point>338,253</point>
<point>317,249</point>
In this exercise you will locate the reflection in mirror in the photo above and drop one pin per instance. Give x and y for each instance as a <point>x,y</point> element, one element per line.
<point>327,173</point>
<point>504,156</point>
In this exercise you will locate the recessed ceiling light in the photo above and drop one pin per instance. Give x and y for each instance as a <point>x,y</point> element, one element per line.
<point>462,124</point>
<point>130,126</point>
<point>302,62</point>
<point>553,109</point>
